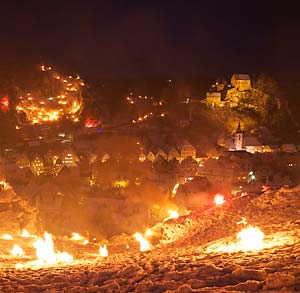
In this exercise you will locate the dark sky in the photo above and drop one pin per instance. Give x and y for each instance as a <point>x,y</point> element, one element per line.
<point>138,38</point>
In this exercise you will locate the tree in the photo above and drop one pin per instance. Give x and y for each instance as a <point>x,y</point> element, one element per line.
<point>268,85</point>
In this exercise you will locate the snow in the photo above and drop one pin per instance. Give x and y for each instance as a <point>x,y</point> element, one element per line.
<point>179,261</point>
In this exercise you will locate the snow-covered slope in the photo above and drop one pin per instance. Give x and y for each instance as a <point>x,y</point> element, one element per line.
<point>189,261</point>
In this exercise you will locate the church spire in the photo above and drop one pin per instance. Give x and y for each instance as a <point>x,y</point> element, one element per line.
<point>239,128</point>
<point>238,139</point>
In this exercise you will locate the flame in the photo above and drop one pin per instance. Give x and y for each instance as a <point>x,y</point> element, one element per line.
<point>103,251</point>
<point>251,238</point>
<point>248,239</point>
<point>91,122</point>
<point>4,104</point>
<point>242,221</point>
<point>45,252</point>
<point>77,237</point>
<point>25,233</point>
<point>148,232</point>
<point>17,251</point>
<point>174,191</point>
<point>7,237</point>
<point>144,244</point>
<point>219,199</point>
<point>46,107</point>
<point>172,215</point>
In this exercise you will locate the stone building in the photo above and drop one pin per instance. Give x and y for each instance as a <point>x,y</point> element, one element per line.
<point>241,82</point>
<point>214,99</point>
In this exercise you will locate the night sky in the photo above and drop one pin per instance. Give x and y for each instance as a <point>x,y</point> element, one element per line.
<point>137,38</point>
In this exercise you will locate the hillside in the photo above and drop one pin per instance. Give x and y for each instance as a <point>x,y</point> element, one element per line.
<point>188,256</point>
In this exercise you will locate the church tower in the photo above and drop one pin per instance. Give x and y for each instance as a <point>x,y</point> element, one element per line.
<point>238,138</point>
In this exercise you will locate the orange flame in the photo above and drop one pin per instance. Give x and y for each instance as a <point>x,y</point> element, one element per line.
<point>172,215</point>
<point>251,238</point>
<point>219,199</point>
<point>144,244</point>
<point>7,237</point>
<point>17,251</point>
<point>103,251</point>
<point>45,252</point>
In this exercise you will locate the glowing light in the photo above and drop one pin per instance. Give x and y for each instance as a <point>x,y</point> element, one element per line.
<point>7,237</point>
<point>144,244</point>
<point>4,104</point>
<point>174,191</point>
<point>77,237</point>
<point>142,158</point>
<point>103,251</point>
<point>17,251</point>
<point>51,111</point>
<point>251,238</point>
<point>219,199</point>
<point>148,232</point>
<point>90,122</point>
<point>46,254</point>
<point>248,239</point>
<point>172,215</point>
<point>25,233</point>
<point>4,186</point>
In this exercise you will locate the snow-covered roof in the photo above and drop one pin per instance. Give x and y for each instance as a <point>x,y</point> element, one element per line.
<point>251,141</point>
<point>241,76</point>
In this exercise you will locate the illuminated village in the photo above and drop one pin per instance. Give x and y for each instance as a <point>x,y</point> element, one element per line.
<point>80,192</point>
<point>149,146</point>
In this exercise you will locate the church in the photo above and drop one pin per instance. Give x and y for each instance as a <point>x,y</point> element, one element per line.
<point>242,141</point>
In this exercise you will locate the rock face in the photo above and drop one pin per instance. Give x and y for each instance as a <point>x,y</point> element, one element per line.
<point>16,213</point>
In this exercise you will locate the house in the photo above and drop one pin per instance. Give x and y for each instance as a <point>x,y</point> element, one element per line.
<point>51,157</point>
<point>142,157</point>
<point>23,161</point>
<point>58,165</point>
<point>289,148</point>
<point>241,82</point>
<point>214,99</point>
<point>69,158</point>
<point>162,154</point>
<point>187,150</point>
<point>252,145</point>
<point>37,166</point>
<point>151,156</point>
<point>173,154</point>
<point>240,141</point>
